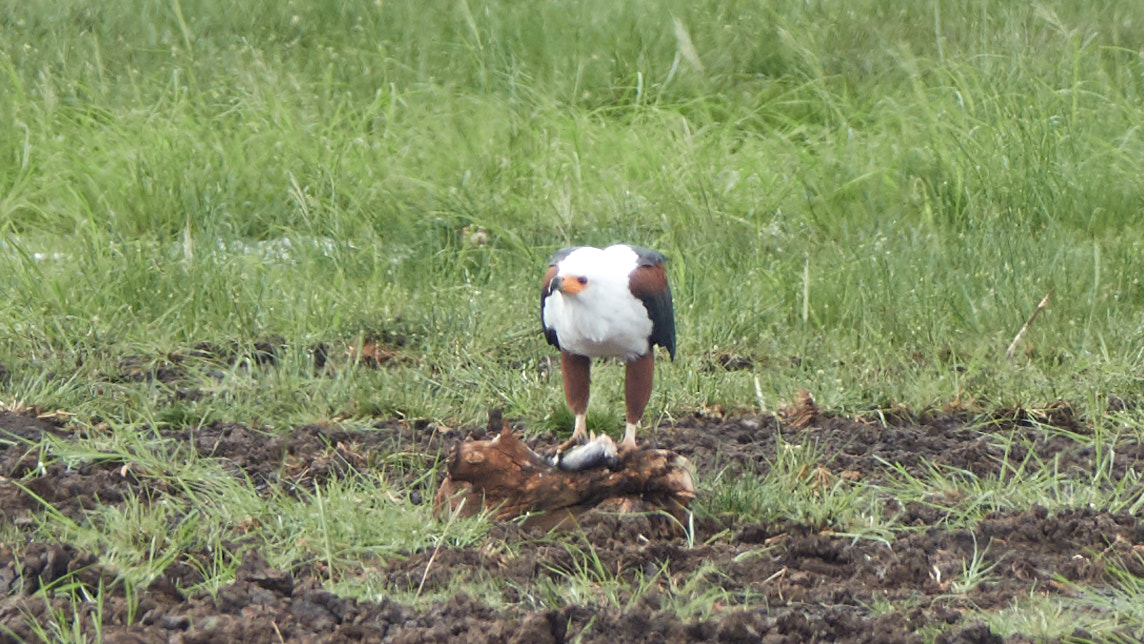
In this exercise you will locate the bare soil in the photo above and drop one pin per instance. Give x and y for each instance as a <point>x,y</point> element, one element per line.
<point>797,582</point>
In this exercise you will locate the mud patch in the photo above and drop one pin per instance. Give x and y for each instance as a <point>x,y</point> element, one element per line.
<point>316,453</point>
<point>875,450</point>
<point>31,480</point>
<point>779,581</point>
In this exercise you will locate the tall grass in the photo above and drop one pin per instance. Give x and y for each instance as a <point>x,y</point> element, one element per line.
<point>912,176</point>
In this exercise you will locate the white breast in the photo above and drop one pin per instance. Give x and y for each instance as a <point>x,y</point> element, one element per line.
<point>605,319</point>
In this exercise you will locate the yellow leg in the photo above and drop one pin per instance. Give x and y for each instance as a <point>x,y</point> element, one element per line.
<point>579,434</point>
<point>629,442</point>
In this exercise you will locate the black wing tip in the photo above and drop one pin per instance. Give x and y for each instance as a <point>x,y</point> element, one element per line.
<point>663,328</point>
<point>667,340</point>
<point>550,336</point>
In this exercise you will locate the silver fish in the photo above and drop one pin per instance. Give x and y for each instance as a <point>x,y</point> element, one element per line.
<point>598,452</point>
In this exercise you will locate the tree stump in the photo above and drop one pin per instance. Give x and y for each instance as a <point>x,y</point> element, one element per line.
<point>507,479</point>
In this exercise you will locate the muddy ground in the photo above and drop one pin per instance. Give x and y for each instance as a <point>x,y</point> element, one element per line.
<point>801,582</point>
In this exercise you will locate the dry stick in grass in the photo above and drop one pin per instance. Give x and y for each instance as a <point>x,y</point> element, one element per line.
<point>763,409</point>
<point>759,397</point>
<point>1028,323</point>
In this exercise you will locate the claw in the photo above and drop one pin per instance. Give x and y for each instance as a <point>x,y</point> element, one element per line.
<point>579,437</point>
<point>575,441</point>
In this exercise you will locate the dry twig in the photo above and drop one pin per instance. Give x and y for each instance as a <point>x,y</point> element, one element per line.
<point>1028,323</point>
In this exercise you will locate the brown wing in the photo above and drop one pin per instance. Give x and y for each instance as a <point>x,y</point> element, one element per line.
<point>648,282</point>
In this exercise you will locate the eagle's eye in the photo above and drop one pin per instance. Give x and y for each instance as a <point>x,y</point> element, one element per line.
<point>582,280</point>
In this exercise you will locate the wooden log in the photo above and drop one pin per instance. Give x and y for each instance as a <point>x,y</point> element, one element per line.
<point>507,479</point>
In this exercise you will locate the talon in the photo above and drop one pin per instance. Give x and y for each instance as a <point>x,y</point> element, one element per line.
<point>570,443</point>
<point>558,452</point>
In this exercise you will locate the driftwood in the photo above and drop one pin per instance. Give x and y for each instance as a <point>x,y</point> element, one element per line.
<point>507,479</point>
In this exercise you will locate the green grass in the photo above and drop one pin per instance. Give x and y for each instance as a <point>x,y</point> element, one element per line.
<point>797,488</point>
<point>867,198</point>
<point>882,213</point>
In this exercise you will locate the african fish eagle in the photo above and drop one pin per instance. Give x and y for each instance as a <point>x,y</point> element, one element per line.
<point>609,303</point>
